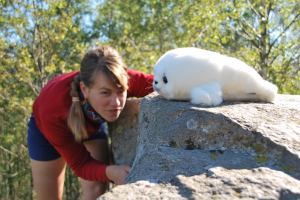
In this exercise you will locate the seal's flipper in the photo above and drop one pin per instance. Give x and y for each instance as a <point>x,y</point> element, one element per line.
<point>209,94</point>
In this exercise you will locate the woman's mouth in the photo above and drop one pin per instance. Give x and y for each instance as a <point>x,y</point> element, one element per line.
<point>115,110</point>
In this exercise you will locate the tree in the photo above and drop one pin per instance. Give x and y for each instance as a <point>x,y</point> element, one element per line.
<point>142,34</point>
<point>39,39</point>
<point>271,31</point>
<point>265,34</point>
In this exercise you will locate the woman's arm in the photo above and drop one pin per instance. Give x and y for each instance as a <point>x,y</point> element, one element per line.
<point>75,154</point>
<point>140,84</point>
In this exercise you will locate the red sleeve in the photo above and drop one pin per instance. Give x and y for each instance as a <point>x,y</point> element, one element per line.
<point>140,84</point>
<point>75,154</point>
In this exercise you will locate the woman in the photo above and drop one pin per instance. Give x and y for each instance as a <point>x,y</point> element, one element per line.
<point>68,124</point>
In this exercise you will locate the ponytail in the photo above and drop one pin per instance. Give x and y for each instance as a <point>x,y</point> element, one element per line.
<point>76,119</point>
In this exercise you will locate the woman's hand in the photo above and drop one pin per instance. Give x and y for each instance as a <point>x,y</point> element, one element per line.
<point>117,173</point>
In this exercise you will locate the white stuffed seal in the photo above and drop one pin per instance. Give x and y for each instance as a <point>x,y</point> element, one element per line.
<point>207,78</point>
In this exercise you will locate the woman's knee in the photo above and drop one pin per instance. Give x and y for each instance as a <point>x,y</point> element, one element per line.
<point>48,178</point>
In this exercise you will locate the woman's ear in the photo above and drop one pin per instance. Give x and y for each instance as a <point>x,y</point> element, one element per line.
<point>84,89</point>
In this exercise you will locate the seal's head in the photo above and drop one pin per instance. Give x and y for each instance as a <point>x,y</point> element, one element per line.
<point>163,77</point>
<point>174,73</point>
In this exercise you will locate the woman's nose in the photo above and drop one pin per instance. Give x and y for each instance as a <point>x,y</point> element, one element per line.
<point>116,100</point>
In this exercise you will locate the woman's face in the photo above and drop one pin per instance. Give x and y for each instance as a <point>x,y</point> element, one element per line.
<point>105,97</point>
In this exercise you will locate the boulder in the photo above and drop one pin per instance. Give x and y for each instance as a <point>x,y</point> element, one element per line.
<point>238,150</point>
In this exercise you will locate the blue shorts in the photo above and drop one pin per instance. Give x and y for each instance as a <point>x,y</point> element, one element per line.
<point>40,149</point>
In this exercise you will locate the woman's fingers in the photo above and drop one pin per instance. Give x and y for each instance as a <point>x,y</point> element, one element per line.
<point>117,173</point>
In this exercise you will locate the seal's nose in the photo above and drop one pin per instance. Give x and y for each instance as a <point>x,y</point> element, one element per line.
<point>155,82</point>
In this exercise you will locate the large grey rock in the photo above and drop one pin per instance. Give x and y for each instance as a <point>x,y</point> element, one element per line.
<point>233,151</point>
<point>124,132</point>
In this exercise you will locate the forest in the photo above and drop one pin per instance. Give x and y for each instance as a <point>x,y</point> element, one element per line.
<point>43,38</point>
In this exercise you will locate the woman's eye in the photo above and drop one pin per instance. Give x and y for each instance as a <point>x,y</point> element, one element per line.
<point>104,93</point>
<point>120,92</point>
<point>165,80</point>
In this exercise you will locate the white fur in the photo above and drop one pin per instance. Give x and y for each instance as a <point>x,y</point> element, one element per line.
<point>206,77</point>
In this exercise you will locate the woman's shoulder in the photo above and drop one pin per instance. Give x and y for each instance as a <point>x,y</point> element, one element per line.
<point>55,96</point>
<point>140,83</point>
<point>60,80</point>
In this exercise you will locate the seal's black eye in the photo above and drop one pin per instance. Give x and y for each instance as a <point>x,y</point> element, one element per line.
<point>165,80</point>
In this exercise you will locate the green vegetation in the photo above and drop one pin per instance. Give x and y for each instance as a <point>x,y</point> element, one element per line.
<point>288,168</point>
<point>261,153</point>
<point>213,155</point>
<point>40,39</point>
<point>261,158</point>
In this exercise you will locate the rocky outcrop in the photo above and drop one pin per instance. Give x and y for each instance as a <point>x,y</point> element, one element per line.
<point>239,150</point>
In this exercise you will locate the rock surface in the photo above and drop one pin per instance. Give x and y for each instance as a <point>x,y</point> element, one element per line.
<point>239,150</point>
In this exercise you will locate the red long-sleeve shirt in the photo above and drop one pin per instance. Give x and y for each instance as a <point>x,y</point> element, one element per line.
<point>51,109</point>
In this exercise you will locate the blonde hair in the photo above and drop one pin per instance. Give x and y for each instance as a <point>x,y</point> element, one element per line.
<point>103,59</point>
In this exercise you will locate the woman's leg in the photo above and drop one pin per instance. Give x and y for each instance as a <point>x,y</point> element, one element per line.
<point>48,168</point>
<point>48,178</point>
<point>99,151</point>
